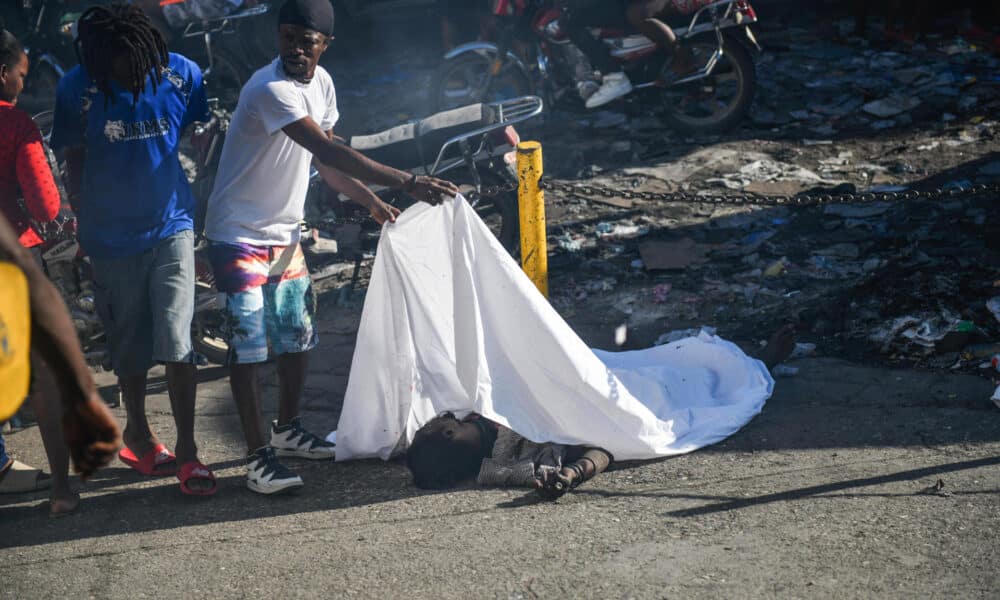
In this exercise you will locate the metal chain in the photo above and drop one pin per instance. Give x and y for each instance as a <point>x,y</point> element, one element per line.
<point>777,200</point>
<point>492,191</point>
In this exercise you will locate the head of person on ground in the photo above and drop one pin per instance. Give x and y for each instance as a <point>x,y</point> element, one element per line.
<point>13,66</point>
<point>283,125</point>
<point>447,451</point>
<point>120,117</point>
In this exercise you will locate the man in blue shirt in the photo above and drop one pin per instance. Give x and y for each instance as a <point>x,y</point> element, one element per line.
<point>119,116</point>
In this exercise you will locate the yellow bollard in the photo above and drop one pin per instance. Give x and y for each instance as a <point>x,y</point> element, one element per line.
<point>531,207</point>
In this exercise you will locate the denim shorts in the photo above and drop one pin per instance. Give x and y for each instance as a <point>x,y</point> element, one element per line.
<point>146,303</point>
<point>267,300</point>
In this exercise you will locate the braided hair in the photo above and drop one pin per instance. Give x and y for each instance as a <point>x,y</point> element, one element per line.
<point>10,49</point>
<point>108,32</point>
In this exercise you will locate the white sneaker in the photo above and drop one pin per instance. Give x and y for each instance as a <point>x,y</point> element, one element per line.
<point>293,440</point>
<point>613,87</point>
<point>265,475</point>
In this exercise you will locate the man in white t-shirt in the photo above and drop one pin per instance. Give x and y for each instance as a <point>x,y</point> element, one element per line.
<point>283,123</point>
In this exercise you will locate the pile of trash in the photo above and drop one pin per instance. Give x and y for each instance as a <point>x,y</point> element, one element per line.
<point>914,282</point>
<point>824,88</point>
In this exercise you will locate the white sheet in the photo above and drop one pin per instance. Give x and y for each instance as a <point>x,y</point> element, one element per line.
<point>451,322</point>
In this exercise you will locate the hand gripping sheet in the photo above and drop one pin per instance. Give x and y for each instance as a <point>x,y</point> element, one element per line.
<point>451,322</point>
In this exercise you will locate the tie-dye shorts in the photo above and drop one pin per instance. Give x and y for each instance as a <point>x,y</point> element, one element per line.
<point>267,300</point>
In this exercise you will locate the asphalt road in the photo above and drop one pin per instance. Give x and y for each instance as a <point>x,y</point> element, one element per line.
<point>829,493</point>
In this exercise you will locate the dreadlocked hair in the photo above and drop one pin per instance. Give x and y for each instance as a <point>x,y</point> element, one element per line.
<point>10,49</point>
<point>108,32</point>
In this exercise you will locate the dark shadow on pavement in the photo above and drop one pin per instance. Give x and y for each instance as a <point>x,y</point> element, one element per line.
<point>329,486</point>
<point>728,504</point>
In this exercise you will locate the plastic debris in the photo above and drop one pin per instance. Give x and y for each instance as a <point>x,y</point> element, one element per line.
<point>621,335</point>
<point>993,305</point>
<point>660,293</point>
<point>802,350</point>
<point>776,268</point>
<point>891,106</point>
<point>784,371</point>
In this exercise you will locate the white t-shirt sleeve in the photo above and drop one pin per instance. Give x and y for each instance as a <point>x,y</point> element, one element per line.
<point>332,114</point>
<point>277,104</point>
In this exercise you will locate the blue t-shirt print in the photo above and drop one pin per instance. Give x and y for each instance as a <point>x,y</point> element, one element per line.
<point>134,192</point>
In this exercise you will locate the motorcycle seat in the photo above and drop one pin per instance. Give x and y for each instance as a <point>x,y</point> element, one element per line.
<point>417,143</point>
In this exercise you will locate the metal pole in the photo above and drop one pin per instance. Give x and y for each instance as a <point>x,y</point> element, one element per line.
<point>531,205</point>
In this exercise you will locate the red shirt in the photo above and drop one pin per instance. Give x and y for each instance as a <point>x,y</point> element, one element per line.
<point>24,173</point>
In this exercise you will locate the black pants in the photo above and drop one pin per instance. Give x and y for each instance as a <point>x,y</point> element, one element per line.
<point>581,15</point>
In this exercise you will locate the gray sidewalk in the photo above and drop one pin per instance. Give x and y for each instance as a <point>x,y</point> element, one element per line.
<point>828,493</point>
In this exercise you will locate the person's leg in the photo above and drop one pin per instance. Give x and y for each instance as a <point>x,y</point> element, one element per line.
<point>123,303</point>
<point>5,460</point>
<point>171,289</point>
<point>290,307</point>
<point>779,347</point>
<point>46,402</point>
<point>291,378</point>
<point>244,383</point>
<point>580,16</point>
<point>171,292</point>
<point>241,274</point>
<point>642,14</point>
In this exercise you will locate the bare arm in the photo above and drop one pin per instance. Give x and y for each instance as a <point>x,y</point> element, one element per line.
<point>307,133</point>
<point>356,190</point>
<point>91,432</point>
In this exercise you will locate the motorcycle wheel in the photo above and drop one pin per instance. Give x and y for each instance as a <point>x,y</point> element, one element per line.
<point>721,100</point>
<point>459,82</point>
<point>226,78</point>
<point>206,341</point>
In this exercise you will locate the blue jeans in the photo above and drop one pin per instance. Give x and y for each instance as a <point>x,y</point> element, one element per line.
<point>4,459</point>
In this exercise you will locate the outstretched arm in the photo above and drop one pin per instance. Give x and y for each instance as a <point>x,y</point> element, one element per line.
<point>356,190</point>
<point>307,133</point>
<point>91,432</point>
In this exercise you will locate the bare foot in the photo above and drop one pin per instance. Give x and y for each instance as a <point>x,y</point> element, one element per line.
<point>779,347</point>
<point>64,504</point>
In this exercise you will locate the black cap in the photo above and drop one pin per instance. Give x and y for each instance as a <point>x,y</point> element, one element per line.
<point>311,14</point>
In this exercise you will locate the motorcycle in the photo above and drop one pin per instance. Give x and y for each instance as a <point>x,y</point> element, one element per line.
<point>533,55</point>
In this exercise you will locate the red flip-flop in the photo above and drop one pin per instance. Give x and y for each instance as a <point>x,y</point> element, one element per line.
<point>195,470</point>
<point>158,462</point>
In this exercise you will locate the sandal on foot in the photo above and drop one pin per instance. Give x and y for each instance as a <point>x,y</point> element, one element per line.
<point>158,462</point>
<point>19,478</point>
<point>195,470</point>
